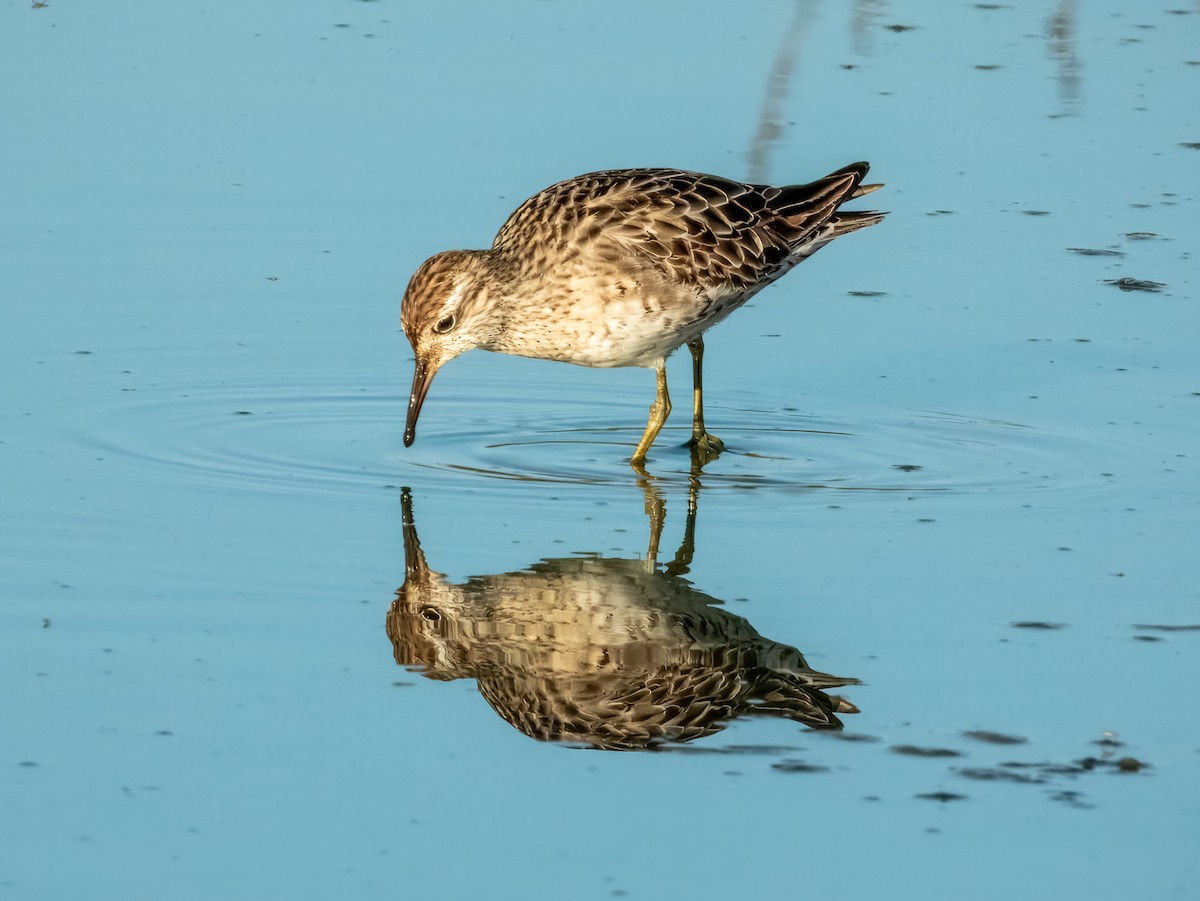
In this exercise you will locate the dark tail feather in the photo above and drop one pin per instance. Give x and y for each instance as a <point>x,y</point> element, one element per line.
<point>851,221</point>
<point>814,206</point>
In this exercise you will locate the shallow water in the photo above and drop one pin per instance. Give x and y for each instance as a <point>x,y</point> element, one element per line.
<point>961,472</point>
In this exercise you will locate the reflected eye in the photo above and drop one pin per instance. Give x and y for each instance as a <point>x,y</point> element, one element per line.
<point>444,324</point>
<point>431,614</point>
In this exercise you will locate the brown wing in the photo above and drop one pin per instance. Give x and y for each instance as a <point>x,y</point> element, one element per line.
<point>712,232</point>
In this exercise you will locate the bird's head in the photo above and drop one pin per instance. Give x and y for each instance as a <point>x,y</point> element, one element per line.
<point>444,313</point>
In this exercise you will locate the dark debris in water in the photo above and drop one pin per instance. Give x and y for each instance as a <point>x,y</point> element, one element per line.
<point>995,738</point>
<point>1034,772</point>
<point>1035,212</point>
<point>1135,284</point>
<point>1141,236</point>
<point>738,750</point>
<point>1025,773</point>
<point>1093,252</point>
<point>907,467</point>
<point>1036,624</point>
<point>851,737</point>
<point>1152,627</point>
<point>1191,145</point>
<point>918,751</point>
<point>999,774</point>
<point>798,766</point>
<point>1109,764</point>
<point>1070,798</point>
<point>943,797</point>
<point>867,293</point>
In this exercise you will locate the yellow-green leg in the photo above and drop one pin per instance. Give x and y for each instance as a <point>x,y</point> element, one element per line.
<point>704,446</point>
<point>659,411</point>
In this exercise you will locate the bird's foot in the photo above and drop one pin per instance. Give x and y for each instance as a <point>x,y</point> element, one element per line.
<point>705,448</point>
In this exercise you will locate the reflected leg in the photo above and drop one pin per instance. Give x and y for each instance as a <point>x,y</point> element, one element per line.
<point>656,511</point>
<point>687,548</point>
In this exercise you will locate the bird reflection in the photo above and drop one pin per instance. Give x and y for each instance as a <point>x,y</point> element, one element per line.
<point>614,654</point>
<point>1062,30</point>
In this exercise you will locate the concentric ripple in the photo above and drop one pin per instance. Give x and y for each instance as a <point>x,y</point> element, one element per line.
<point>342,438</point>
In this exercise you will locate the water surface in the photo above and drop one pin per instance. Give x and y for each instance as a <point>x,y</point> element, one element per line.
<point>961,473</point>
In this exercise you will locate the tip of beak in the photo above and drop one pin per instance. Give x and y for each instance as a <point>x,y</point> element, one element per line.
<point>422,376</point>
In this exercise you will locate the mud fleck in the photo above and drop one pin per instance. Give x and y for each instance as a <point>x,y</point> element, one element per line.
<point>798,766</point>
<point>995,738</point>
<point>943,797</point>
<point>917,751</point>
<point>1135,284</point>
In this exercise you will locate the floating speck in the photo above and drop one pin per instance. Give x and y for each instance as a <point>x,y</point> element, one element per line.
<point>1135,284</point>
<point>1093,252</point>
<point>995,738</point>
<point>918,751</point>
<point>798,766</point>
<point>995,774</point>
<point>852,737</point>
<point>1073,798</point>
<point>1037,624</point>
<point>940,796</point>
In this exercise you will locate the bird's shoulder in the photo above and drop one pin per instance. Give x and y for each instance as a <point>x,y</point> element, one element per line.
<point>631,201</point>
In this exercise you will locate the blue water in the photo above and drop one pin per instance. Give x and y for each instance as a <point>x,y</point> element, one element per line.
<point>962,465</point>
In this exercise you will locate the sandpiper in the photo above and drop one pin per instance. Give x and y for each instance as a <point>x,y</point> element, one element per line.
<point>621,268</point>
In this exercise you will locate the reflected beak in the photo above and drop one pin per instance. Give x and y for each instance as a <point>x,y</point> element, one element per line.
<point>420,387</point>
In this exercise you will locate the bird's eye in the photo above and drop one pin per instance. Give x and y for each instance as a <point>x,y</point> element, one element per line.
<point>444,324</point>
<point>431,614</point>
